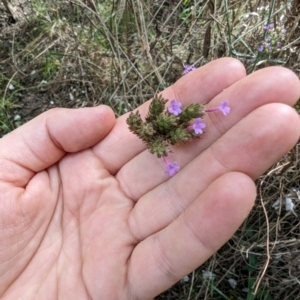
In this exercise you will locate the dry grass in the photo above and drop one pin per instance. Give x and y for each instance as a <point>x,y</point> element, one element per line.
<point>74,54</point>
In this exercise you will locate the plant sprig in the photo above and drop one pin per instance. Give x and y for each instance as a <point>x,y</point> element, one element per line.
<point>165,126</point>
<point>162,127</point>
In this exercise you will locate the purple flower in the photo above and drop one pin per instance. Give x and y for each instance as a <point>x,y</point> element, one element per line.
<point>283,30</point>
<point>224,108</point>
<point>172,168</point>
<point>198,126</point>
<point>261,48</point>
<point>175,107</point>
<point>269,26</point>
<point>269,46</point>
<point>188,68</point>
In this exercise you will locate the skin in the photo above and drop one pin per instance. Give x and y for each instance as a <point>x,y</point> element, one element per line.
<point>87,213</point>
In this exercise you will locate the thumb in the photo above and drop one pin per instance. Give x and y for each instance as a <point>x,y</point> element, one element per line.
<point>46,139</point>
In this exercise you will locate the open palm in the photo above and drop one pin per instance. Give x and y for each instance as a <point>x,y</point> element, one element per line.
<point>87,213</point>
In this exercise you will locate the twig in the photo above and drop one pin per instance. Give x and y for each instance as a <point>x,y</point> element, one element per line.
<point>267,241</point>
<point>192,284</point>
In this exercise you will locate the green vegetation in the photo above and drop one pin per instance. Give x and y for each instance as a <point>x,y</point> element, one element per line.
<point>58,53</point>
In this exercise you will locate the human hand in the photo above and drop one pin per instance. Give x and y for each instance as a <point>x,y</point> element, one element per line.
<point>88,213</point>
